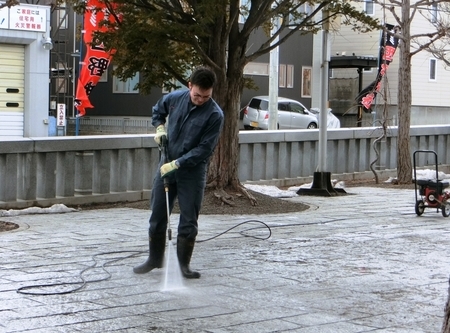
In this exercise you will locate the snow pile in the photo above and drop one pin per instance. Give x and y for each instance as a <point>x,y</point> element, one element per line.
<point>431,175</point>
<point>57,208</point>
<point>271,191</point>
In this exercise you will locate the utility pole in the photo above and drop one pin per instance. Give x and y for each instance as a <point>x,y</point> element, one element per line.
<point>322,164</point>
<point>321,185</point>
<point>273,78</point>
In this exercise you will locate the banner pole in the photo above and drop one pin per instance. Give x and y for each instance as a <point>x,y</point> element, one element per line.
<point>77,117</point>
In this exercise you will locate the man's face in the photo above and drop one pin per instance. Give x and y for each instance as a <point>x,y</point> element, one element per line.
<point>198,95</point>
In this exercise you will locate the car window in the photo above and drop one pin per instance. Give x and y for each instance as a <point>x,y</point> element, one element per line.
<point>282,106</point>
<point>297,108</point>
<point>257,103</point>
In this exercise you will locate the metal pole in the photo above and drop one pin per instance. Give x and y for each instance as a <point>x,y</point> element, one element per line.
<point>273,79</point>
<point>81,59</point>
<point>324,103</point>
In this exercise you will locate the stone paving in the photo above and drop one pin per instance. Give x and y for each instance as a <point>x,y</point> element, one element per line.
<point>362,262</point>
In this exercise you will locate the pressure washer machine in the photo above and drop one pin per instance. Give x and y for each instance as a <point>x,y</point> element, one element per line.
<point>430,193</point>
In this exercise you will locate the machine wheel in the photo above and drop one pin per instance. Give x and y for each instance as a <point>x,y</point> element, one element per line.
<point>420,207</point>
<point>445,208</point>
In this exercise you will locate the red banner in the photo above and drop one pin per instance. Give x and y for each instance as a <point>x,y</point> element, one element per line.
<point>388,46</point>
<point>96,60</point>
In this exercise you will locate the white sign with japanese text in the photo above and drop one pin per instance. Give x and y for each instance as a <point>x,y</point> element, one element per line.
<point>61,116</point>
<point>29,18</point>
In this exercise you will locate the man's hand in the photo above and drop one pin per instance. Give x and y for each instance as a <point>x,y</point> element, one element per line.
<point>160,131</point>
<point>168,168</point>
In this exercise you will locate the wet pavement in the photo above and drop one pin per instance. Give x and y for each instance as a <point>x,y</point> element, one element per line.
<point>362,262</point>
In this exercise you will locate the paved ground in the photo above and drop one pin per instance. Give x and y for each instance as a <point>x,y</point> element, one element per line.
<point>357,263</point>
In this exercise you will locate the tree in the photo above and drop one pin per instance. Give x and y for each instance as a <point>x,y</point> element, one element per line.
<point>404,13</point>
<point>165,39</point>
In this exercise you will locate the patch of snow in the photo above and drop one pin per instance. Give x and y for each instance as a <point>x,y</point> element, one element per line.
<point>390,180</point>
<point>428,174</point>
<point>55,209</point>
<point>271,190</point>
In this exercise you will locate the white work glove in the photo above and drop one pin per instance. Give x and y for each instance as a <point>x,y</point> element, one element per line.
<point>168,168</point>
<point>160,131</point>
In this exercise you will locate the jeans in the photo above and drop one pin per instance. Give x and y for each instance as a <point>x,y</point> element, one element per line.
<point>186,184</point>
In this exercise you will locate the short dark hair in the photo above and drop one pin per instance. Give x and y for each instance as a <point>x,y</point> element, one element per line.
<point>203,77</point>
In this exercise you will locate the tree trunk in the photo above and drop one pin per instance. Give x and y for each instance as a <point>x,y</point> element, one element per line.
<point>229,54</point>
<point>223,170</point>
<point>404,167</point>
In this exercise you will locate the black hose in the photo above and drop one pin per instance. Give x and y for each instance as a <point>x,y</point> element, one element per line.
<point>237,225</point>
<point>81,284</point>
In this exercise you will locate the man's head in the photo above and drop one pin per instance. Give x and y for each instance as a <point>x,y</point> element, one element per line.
<point>201,85</point>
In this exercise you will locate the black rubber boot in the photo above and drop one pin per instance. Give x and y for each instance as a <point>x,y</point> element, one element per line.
<point>185,247</point>
<point>157,246</point>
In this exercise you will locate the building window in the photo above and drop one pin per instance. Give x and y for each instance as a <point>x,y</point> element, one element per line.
<point>178,84</point>
<point>61,16</point>
<point>127,86</point>
<point>290,76</point>
<point>306,81</point>
<point>256,68</point>
<point>434,13</point>
<point>302,11</point>
<point>432,69</point>
<point>282,76</point>
<point>369,7</point>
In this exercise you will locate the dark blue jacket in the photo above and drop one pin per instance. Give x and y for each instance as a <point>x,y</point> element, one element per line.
<point>192,131</point>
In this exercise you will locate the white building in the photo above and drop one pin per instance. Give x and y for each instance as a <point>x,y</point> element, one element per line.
<point>24,71</point>
<point>430,79</point>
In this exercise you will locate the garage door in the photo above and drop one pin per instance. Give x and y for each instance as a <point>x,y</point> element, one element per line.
<point>12,81</point>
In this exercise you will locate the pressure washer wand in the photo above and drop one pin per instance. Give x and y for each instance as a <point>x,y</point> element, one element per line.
<point>166,185</point>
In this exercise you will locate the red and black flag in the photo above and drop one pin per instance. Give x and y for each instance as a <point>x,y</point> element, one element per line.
<point>97,59</point>
<point>388,46</point>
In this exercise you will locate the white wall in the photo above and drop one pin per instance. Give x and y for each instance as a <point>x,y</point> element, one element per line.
<point>36,100</point>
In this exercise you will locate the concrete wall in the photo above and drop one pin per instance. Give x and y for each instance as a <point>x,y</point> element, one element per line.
<point>77,170</point>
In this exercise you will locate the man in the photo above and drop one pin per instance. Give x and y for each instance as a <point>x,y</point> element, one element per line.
<point>191,122</point>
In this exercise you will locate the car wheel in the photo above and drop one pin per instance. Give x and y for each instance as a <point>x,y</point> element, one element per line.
<point>311,126</point>
<point>246,127</point>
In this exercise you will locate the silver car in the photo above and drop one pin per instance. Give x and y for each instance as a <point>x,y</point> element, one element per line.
<point>332,120</point>
<point>291,114</point>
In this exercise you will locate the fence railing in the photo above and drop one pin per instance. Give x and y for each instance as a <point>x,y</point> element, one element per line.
<point>109,126</point>
<point>82,169</point>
